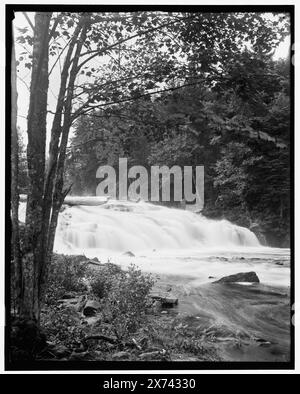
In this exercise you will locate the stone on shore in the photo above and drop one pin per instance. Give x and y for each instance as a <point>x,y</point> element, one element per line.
<point>165,300</point>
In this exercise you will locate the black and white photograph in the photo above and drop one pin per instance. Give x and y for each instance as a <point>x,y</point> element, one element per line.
<point>149,187</point>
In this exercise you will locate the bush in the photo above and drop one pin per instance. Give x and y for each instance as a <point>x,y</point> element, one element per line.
<point>127,300</point>
<point>180,336</point>
<point>66,274</point>
<point>102,281</point>
<point>63,325</point>
<point>123,294</point>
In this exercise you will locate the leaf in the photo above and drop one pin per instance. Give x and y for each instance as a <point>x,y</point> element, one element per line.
<point>70,23</point>
<point>22,30</point>
<point>21,40</point>
<point>56,34</point>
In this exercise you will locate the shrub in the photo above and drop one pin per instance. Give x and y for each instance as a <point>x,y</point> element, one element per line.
<point>127,300</point>
<point>179,336</point>
<point>66,274</point>
<point>63,325</point>
<point>102,281</point>
<point>124,296</point>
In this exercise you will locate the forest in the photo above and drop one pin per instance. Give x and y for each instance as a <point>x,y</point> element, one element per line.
<point>159,88</point>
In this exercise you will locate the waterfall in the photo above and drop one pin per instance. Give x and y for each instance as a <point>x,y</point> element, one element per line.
<point>165,241</point>
<point>122,226</point>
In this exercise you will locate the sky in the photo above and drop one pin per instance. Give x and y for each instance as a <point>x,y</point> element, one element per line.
<point>23,82</point>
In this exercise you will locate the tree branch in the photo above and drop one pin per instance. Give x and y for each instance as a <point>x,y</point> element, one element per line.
<point>97,52</point>
<point>28,20</point>
<point>77,113</point>
<point>59,56</point>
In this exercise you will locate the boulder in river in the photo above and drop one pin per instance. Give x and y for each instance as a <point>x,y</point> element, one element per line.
<point>250,277</point>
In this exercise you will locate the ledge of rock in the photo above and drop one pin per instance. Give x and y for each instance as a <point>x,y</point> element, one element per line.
<point>166,300</point>
<point>250,277</point>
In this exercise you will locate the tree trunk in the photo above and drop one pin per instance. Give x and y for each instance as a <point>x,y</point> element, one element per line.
<point>17,268</point>
<point>36,129</point>
<point>45,191</point>
<point>56,132</point>
<point>59,194</point>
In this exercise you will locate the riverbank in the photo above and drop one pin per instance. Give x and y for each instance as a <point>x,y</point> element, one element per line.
<point>97,311</point>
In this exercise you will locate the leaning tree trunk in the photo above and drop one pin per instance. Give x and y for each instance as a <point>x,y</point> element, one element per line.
<point>56,131</point>
<point>58,193</point>
<point>36,129</point>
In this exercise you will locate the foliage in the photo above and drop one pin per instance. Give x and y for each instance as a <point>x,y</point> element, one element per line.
<point>23,176</point>
<point>102,282</point>
<point>125,297</point>
<point>179,336</point>
<point>66,274</point>
<point>62,325</point>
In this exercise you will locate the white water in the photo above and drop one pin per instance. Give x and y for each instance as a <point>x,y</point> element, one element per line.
<point>167,241</point>
<point>123,226</point>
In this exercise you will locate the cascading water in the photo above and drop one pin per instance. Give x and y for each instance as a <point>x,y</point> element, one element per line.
<point>122,226</point>
<point>165,241</point>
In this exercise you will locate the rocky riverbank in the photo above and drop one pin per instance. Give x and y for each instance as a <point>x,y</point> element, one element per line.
<point>97,311</point>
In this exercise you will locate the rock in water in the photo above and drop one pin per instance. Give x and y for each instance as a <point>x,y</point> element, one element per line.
<point>240,277</point>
